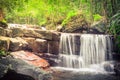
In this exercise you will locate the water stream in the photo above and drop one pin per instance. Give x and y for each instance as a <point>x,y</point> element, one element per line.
<point>85,57</point>
<point>82,50</point>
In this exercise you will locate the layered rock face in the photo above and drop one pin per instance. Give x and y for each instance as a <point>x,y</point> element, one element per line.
<point>35,40</point>
<point>31,49</point>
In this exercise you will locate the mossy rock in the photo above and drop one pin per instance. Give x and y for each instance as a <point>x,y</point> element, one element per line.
<point>75,23</point>
<point>3,24</point>
<point>4,43</point>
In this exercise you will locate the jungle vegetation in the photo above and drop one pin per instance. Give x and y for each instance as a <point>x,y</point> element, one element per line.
<point>54,12</point>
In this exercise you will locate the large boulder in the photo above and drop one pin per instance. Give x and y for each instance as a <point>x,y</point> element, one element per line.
<point>98,28</point>
<point>23,70</point>
<point>30,58</point>
<point>3,70</point>
<point>75,24</point>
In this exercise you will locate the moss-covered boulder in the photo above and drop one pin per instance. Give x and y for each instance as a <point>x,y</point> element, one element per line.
<point>4,43</point>
<point>3,24</point>
<point>76,23</point>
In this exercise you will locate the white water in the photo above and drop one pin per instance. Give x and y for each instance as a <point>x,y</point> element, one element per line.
<point>83,50</point>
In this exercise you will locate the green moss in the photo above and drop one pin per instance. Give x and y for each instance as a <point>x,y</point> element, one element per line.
<point>3,53</point>
<point>97,17</point>
<point>69,16</point>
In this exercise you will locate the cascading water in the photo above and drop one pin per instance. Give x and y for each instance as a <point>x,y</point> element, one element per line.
<point>82,50</point>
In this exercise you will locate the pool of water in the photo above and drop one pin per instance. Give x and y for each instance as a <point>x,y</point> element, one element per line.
<point>60,73</point>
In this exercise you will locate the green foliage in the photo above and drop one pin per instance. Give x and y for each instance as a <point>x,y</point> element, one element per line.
<point>97,17</point>
<point>115,24</point>
<point>115,30</point>
<point>3,53</point>
<point>69,16</point>
<point>54,12</point>
<point>46,12</point>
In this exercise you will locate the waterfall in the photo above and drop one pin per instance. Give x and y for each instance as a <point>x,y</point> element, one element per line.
<point>82,50</point>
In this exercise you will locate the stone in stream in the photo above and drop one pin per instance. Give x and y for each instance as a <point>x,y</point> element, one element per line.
<point>17,69</point>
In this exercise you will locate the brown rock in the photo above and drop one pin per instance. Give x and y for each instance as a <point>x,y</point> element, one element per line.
<point>53,47</point>
<point>2,32</point>
<point>31,33</point>
<point>47,35</point>
<point>31,43</point>
<point>40,46</point>
<point>17,44</point>
<point>36,45</point>
<point>30,58</point>
<point>55,36</point>
<point>4,43</point>
<point>8,33</point>
<point>17,32</point>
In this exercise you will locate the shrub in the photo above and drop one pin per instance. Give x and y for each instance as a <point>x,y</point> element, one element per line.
<point>97,17</point>
<point>115,30</point>
<point>3,53</point>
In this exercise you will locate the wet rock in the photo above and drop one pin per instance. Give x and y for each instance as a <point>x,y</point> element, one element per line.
<point>24,69</point>
<point>66,74</point>
<point>117,68</point>
<point>53,47</point>
<point>17,44</point>
<point>4,43</point>
<point>3,70</point>
<point>55,36</point>
<point>51,58</point>
<point>98,28</point>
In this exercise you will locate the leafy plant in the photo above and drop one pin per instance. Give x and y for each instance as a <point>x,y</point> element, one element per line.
<point>69,16</point>
<point>115,30</point>
<point>115,24</point>
<point>3,53</point>
<point>97,17</point>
